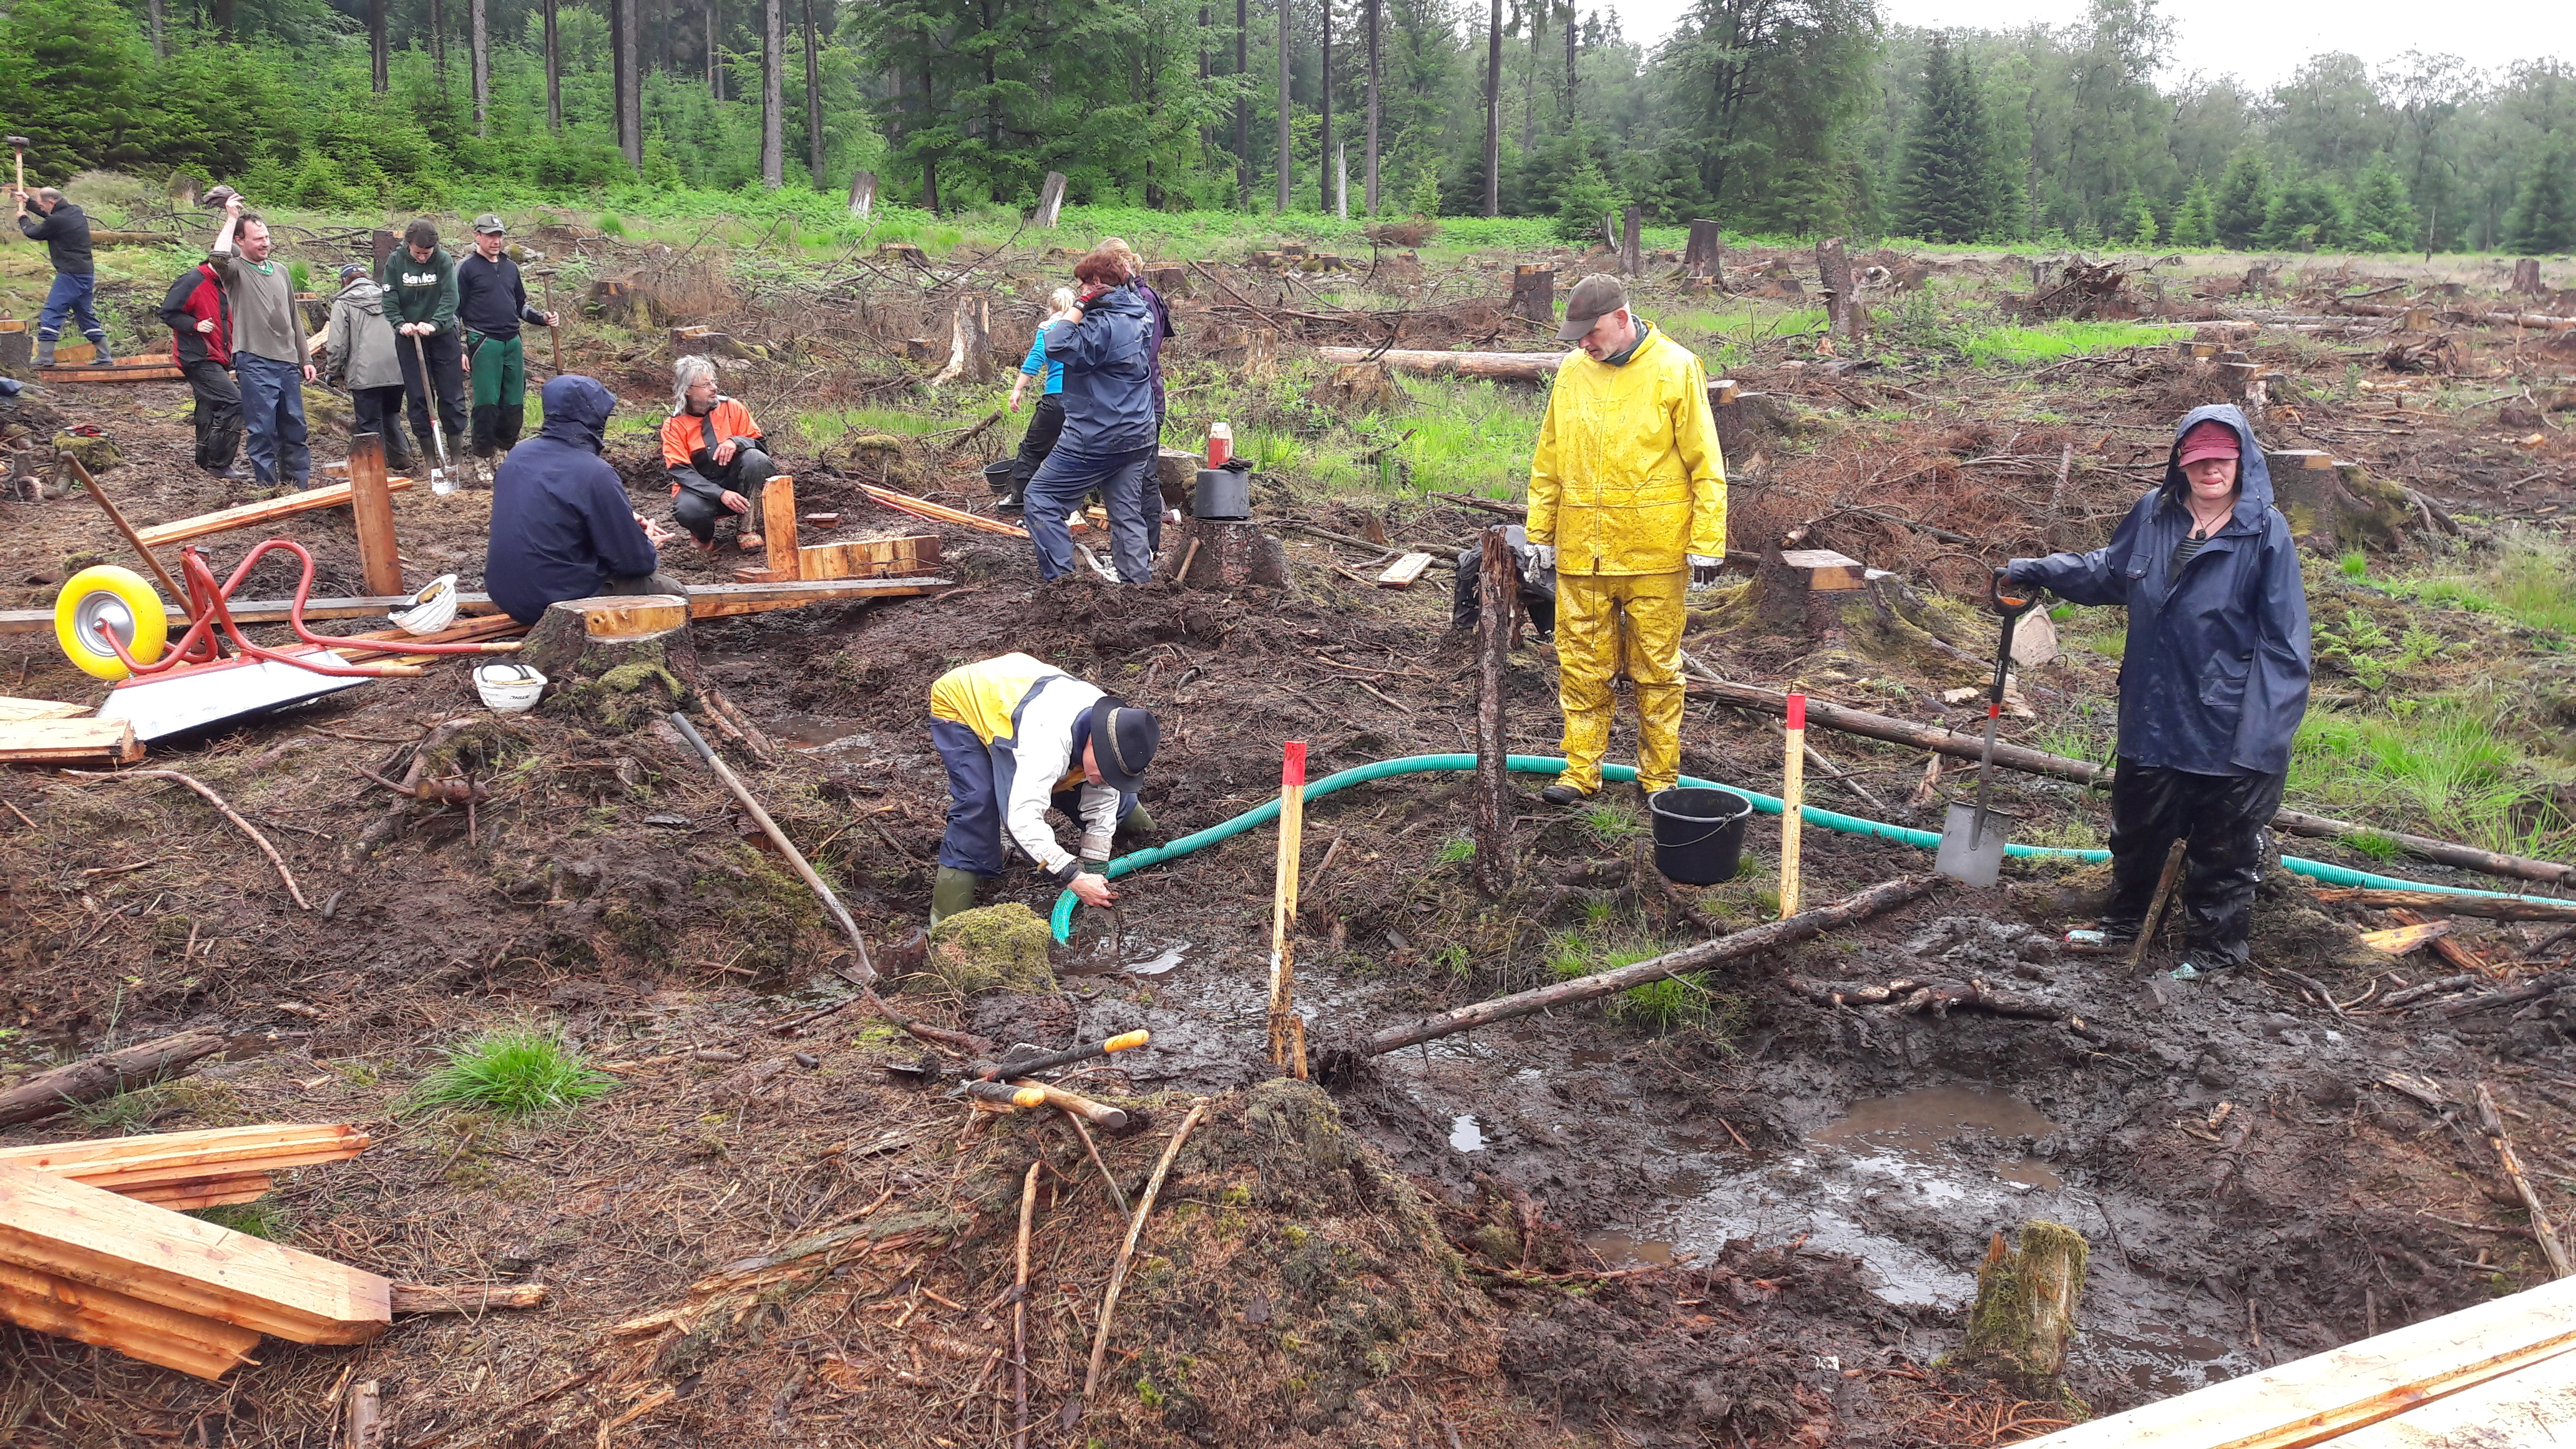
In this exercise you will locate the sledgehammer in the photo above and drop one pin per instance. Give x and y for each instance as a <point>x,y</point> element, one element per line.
<point>19,144</point>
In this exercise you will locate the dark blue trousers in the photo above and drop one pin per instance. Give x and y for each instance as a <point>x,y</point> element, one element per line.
<point>1124,479</point>
<point>71,298</point>
<point>979,780</point>
<point>272,403</point>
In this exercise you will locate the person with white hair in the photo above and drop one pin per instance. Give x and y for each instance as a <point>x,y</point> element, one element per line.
<point>1046,424</point>
<point>714,454</point>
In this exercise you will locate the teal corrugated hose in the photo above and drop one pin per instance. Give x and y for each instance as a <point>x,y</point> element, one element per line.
<point>1768,804</point>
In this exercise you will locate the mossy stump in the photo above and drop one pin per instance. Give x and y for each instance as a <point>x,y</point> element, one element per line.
<point>2025,1311</point>
<point>1002,946</point>
<point>617,660</point>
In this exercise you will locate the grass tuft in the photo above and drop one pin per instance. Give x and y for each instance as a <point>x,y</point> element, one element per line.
<point>258,1219</point>
<point>511,1073</point>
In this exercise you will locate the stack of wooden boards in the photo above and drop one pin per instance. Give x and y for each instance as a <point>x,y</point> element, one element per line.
<point>91,1249</point>
<point>2501,1373</point>
<point>862,558</point>
<point>43,732</point>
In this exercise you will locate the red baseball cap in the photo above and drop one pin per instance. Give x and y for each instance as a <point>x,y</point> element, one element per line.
<point>2210,439</point>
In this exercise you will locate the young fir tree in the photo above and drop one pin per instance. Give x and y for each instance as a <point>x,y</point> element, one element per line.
<point>1947,189</point>
<point>2382,218</point>
<point>2244,199</point>
<point>2544,217</point>
<point>2195,221</point>
<point>2306,214</point>
<point>2138,221</point>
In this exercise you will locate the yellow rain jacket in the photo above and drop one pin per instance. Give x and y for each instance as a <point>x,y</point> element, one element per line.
<point>1024,710</point>
<point>1627,478</point>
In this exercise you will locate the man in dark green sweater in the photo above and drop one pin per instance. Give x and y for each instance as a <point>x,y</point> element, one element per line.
<point>420,300</point>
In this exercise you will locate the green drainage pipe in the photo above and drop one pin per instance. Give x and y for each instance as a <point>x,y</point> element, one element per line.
<point>1263,814</point>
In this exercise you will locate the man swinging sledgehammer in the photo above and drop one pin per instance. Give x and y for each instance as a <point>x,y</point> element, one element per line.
<point>1018,735</point>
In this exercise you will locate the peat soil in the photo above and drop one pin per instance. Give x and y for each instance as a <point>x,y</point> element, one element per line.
<point>1756,1223</point>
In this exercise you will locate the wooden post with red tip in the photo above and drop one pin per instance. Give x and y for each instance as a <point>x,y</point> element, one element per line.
<point>1287,1029</point>
<point>1793,797</point>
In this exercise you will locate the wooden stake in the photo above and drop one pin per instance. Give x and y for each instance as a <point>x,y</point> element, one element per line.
<point>1499,588</point>
<point>1287,1029</point>
<point>778,526</point>
<point>2156,908</point>
<point>365,1427</point>
<point>2542,1229</point>
<point>371,509</point>
<point>1020,1313</point>
<point>1127,1250</point>
<point>1793,804</point>
<point>554,330</point>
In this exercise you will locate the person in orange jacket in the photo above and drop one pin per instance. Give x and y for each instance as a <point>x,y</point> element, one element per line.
<point>713,452</point>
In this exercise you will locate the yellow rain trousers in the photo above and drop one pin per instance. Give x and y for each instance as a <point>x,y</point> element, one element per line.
<point>1627,482</point>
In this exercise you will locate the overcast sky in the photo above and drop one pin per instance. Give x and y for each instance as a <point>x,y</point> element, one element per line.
<point>2260,42</point>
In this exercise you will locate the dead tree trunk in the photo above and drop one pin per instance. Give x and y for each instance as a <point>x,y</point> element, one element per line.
<point>554,70</point>
<point>813,96</point>
<point>627,47</point>
<point>1500,592</point>
<point>1368,13</point>
<point>773,97</point>
<point>1494,112</point>
<point>1632,246</point>
<point>376,44</point>
<point>479,38</point>
<point>105,1075</point>
<point>1705,256</point>
<point>863,193</point>
<point>1287,57</point>
<point>1842,304</point>
<point>2026,1300</point>
<point>1050,201</point>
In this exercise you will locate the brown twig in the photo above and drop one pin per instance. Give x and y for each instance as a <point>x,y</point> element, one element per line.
<point>1083,1132</point>
<point>1020,1311</point>
<point>1127,1251</point>
<point>219,803</point>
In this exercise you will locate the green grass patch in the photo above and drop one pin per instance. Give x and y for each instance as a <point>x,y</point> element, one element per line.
<point>1675,1001</point>
<point>511,1073</point>
<point>2020,344</point>
<point>2446,766</point>
<point>2530,579</point>
<point>1457,852</point>
<point>1613,821</point>
<point>259,1219</point>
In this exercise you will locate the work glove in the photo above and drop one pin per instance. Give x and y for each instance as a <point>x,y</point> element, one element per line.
<point>2010,573</point>
<point>1704,567</point>
<point>1546,553</point>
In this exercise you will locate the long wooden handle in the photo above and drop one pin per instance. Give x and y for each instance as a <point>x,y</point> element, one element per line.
<point>1098,1114</point>
<point>796,858</point>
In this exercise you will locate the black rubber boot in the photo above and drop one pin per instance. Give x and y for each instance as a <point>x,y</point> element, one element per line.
<point>1136,832</point>
<point>506,425</point>
<point>1561,795</point>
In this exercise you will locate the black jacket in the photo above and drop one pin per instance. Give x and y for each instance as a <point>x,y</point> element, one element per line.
<point>65,233</point>
<point>491,299</point>
<point>562,525</point>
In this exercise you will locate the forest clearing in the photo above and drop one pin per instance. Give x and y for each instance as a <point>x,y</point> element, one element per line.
<point>608,1107</point>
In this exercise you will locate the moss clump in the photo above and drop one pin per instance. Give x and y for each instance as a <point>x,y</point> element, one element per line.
<point>628,696</point>
<point>993,946</point>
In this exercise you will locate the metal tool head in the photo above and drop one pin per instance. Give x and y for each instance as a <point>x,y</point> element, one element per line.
<point>19,143</point>
<point>1967,853</point>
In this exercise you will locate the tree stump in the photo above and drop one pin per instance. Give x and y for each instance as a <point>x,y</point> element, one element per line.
<point>1534,293</point>
<point>1176,473</point>
<point>863,193</point>
<point>1844,313</point>
<point>1705,255</point>
<point>1223,555</point>
<point>1632,252</point>
<point>2526,278</point>
<point>2025,1309</point>
<point>620,660</point>
<point>1050,201</point>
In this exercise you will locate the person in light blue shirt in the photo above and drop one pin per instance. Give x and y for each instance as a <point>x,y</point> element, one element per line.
<point>1047,423</point>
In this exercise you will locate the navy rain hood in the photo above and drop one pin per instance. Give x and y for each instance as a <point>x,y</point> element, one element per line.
<point>1108,376</point>
<point>562,525</point>
<point>2215,678</point>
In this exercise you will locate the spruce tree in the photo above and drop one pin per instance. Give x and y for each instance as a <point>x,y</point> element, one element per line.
<point>1947,188</point>
<point>2382,218</point>
<point>2137,221</point>
<point>2244,199</point>
<point>2544,218</point>
<point>2194,223</point>
<point>2305,215</point>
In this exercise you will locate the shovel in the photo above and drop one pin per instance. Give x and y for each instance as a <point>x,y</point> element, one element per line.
<point>1972,836</point>
<point>438,473</point>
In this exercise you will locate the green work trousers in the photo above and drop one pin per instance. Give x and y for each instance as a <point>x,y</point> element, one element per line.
<point>500,374</point>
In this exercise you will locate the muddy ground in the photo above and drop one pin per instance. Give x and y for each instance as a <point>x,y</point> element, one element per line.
<point>1756,1224</point>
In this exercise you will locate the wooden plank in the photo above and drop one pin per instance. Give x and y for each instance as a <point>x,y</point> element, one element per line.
<point>2398,940</point>
<point>778,524</point>
<point>69,742</point>
<point>868,558</point>
<point>2342,1390</point>
<point>2534,1407</point>
<point>940,512</point>
<point>120,1163</point>
<point>371,510</point>
<point>252,515</point>
<point>135,371</point>
<point>91,1235</point>
<point>13,710</point>
<point>719,601</point>
<point>1826,570</point>
<point>105,1318</point>
<point>2500,908</point>
<point>466,1297</point>
<point>262,611</point>
<point>203,1192</point>
<point>1401,573</point>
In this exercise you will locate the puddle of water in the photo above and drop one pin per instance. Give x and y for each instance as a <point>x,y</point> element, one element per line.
<point>1168,956</point>
<point>1917,1124</point>
<point>2163,1366</point>
<point>1465,1135</point>
<point>814,732</point>
<point>1622,1251</point>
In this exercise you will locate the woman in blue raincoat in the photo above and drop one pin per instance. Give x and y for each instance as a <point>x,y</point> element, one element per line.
<point>2212,685</point>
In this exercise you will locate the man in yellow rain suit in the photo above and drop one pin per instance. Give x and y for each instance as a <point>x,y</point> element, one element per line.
<point>1627,500</point>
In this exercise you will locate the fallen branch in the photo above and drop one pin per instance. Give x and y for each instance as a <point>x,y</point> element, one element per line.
<point>1743,945</point>
<point>106,1075</point>
<point>218,802</point>
<point>1127,1251</point>
<point>2493,908</point>
<point>2541,1229</point>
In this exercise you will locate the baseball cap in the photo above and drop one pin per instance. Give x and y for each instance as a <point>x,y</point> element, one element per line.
<point>1592,299</point>
<point>353,269</point>
<point>2208,439</point>
<point>489,225</point>
<point>1123,739</point>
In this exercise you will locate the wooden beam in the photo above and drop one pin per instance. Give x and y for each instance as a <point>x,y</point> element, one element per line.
<point>266,510</point>
<point>2344,1389</point>
<point>1525,366</point>
<point>120,1164</point>
<point>466,1297</point>
<point>93,1236</point>
<point>24,709</point>
<point>105,1318</point>
<point>940,512</point>
<point>778,524</point>
<point>371,508</point>
<point>69,742</point>
<point>718,601</point>
<point>1401,573</point>
<point>121,372</point>
<point>2527,1409</point>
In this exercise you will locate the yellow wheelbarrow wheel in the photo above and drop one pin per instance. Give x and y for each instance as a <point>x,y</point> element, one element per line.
<point>119,598</point>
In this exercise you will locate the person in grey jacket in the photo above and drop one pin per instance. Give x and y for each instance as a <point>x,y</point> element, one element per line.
<point>361,358</point>
<point>2213,682</point>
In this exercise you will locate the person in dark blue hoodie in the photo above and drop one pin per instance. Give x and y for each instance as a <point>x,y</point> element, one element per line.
<point>2212,685</point>
<point>562,525</point>
<point>1109,437</point>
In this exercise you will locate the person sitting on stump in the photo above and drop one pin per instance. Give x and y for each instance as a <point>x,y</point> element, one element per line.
<point>1018,735</point>
<point>562,526</point>
<point>2213,682</point>
<point>491,303</point>
<point>713,452</point>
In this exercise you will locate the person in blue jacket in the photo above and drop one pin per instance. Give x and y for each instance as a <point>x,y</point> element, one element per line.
<point>1046,422</point>
<point>1109,438</point>
<point>2212,685</point>
<point>562,525</point>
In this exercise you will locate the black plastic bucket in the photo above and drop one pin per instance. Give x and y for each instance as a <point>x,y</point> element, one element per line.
<point>997,476</point>
<point>1699,833</point>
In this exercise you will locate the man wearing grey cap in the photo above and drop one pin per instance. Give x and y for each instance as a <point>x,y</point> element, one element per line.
<point>491,302</point>
<point>1627,501</point>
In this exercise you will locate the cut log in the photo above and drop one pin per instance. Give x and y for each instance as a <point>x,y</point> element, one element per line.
<point>1742,946</point>
<point>1497,596</point>
<point>105,1318</point>
<point>2336,1392</point>
<point>940,512</point>
<point>260,514</point>
<point>1401,573</point>
<point>2398,940</point>
<point>93,1236</point>
<point>69,742</point>
<point>2025,1310</point>
<point>14,710</point>
<point>465,1297</point>
<point>724,601</point>
<point>1521,366</point>
<point>140,1166</point>
<point>371,511</point>
<point>106,1075</point>
<point>1821,570</point>
<point>2493,908</point>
